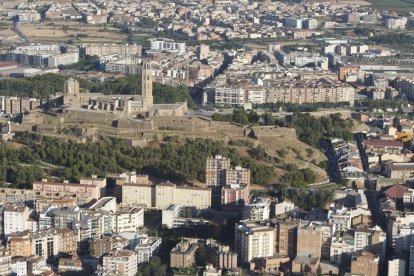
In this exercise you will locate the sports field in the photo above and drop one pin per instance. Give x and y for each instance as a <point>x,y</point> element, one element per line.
<point>393,4</point>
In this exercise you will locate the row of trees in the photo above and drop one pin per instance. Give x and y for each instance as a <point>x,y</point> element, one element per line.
<point>372,105</point>
<point>313,131</point>
<point>309,129</point>
<point>45,85</point>
<point>308,199</point>
<point>306,107</point>
<point>299,178</point>
<point>393,38</point>
<point>18,168</point>
<point>175,161</point>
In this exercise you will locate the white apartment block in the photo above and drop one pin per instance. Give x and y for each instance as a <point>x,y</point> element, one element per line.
<point>284,207</point>
<point>233,96</point>
<point>254,241</point>
<point>121,262</point>
<point>258,210</point>
<point>396,23</point>
<point>15,219</point>
<point>94,49</point>
<point>129,221</point>
<point>396,267</point>
<point>147,247</point>
<point>256,95</point>
<point>340,248</point>
<point>167,45</point>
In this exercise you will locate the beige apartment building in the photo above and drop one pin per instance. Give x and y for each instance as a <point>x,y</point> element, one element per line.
<point>193,196</point>
<point>322,90</point>
<point>286,237</point>
<point>122,262</point>
<point>93,49</point>
<point>162,195</point>
<point>46,243</point>
<point>183,254</point>
<point>366,264</point>
<point>254,240</point>
<point>138,194</point>
<point>310,240</point>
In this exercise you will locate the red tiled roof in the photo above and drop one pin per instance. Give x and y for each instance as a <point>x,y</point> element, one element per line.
<point>7,63</point>
<point>396,191</point>
<point>382,143</point>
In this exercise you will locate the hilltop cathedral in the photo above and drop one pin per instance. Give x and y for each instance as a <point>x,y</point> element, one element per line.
<point>126,106</point>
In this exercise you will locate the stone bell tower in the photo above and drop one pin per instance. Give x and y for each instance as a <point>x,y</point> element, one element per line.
<point>146,83</point>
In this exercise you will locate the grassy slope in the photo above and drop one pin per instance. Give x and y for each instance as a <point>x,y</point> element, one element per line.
<point>393,4</point>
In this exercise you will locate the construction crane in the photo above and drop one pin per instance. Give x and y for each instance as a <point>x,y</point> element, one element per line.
<point>405,136</point>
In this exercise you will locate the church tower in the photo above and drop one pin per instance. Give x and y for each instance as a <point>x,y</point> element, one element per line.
<point>146,83</point>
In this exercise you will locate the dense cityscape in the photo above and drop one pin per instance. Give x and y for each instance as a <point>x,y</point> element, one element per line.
<point>206,138</point>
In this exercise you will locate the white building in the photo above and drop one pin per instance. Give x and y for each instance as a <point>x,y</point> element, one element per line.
<point>121,262</point>
<point>127,221</point>
<point>396,267</point>
<point>284,207</point>
<point>233,96</point>
<point>168,45</point>
<point>396,23</point>
<point>169,214</point>
<point>256,95</point>
<point>147,247</point>
<point>341,248</point>
<point>15,219</point>
<point>19,266</point>
<point>258,210</point>
<point>253,240</point>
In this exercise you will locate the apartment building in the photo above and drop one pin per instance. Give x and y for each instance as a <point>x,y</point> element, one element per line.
<point>168,45</point>
<point>258,209</point>
<point>254,240</point>
<point>343,71</point>
<point>192,197</point>
<point>396,22</point>
<point>365,263</point>
<point>106,244</point>
<point>123,262</point>
<point>15,219</point>
<point>147,247</point>
<point>50,56</point>
<point>5,262</point>
<point>237,175</point>
<point>219,255</point>
<point>128,220</point>
<point>286,237</point>
<point>95,180</point>
<point>405,86</point>
<point>142,194</point>
<point>94,49</point>
<point>230,96</point>
<point>370,239</point>
<point>183,254</point>
<point>309,241</point>
<point>93,191</point>
<point>162,195</point>
<point>403,170</point>
<point>396,267</point>
<point>235,195</point>
<point>46,243</point>
<point>341,248</point>
<point>216,168</point>
<point>310,91</point>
